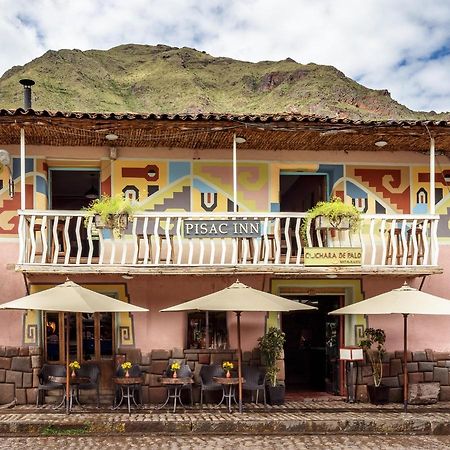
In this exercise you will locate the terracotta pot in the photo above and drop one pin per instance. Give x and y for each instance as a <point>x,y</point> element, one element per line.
<point>73,374</point>
<point>228,374</point>
<point>175,374</point>
<point>127,374</point>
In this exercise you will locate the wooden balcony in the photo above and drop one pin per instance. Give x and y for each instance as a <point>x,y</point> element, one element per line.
<point>154,242</point>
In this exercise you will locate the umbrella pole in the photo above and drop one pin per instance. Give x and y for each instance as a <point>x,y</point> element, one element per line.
<point>238,316</point>
<point>67,364</point>
<point>405,363</point>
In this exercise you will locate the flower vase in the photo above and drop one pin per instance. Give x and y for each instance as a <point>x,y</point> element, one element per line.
<point>73,374</point>
<point>175,374</point>
<point>127,374</point>
<point>228,374</point>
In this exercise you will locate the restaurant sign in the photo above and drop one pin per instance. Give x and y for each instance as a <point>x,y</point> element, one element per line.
<point>333,256</point>
<point>222,228</point>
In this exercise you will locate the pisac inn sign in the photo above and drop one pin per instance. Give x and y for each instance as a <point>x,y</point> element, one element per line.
<point>222,228</point>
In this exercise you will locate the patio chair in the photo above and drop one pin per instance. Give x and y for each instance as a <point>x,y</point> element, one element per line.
<point>45,384</point>
<point>135,371</point>
<point>91,371</point>
<point>207,384</point>
<point>255,380</point>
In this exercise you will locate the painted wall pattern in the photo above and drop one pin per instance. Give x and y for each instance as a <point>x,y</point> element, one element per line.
<point>206,185</point>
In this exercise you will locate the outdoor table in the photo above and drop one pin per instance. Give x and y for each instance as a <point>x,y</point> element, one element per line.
<point>127,386</point>
<point>73,383</point>
<point>174,385</point>
<point>228,389</point>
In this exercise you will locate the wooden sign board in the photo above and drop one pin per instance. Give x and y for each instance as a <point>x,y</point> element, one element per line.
<point>333,256</point>
<point>222,228</point>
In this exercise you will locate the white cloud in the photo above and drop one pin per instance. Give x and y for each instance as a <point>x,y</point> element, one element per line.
<point>384,44</point>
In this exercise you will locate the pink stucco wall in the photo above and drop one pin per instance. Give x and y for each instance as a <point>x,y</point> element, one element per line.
<point>168,330</point>
<point>423,331</point>
<point>12,286</point>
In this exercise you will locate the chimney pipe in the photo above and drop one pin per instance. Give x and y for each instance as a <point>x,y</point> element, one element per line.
<point>26,83</point>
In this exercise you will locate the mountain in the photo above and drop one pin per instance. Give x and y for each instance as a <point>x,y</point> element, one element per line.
<point>163,79</point>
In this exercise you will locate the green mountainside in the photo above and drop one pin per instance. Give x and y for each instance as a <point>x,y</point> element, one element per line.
<point>162,79</point>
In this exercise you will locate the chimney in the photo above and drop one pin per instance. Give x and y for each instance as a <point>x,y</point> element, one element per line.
<point>26,83</point>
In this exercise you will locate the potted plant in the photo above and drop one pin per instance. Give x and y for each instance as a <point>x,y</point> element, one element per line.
<point>271,347</point>
<point>111,212</point>
<point>373,346</point>
<point>333,214</point>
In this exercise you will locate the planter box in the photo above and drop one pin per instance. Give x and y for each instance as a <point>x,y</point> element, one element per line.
<point>323,223</point>
<point>378,395</point>
<point>119,221</point>
<point>275,394</point>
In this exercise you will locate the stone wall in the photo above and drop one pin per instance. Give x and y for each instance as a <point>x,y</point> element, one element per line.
<point>19,367</point>
<point>423,366</point>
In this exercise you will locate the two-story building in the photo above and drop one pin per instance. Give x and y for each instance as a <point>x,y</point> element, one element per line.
<point>180,168</point>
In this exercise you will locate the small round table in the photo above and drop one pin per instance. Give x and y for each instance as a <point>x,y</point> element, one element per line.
<point>228,389</point>
<point>174,386</point>
<point>73,383</point>
<point>128,386</point>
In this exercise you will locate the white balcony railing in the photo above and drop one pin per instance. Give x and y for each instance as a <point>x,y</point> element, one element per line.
<point>156,239</point>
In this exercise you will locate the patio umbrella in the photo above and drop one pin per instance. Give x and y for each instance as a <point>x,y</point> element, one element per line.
<point>404,300</point>
<point>70,297</point>
<point>238,298</point>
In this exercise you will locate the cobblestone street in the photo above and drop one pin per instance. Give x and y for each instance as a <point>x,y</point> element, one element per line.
<point>219,442</point>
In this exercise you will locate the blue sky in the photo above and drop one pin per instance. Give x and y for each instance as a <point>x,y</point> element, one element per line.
<point>402,46</point>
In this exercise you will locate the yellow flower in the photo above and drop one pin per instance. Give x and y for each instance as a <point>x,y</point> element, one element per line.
<point>126,365</point>
<point>227,365</point>
<point>74,365</point>
<point>175,366</point>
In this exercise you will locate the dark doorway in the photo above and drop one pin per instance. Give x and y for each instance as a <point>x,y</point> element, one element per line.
<point>312,347</point>
<point>73,189</point>
<point>299,192</point>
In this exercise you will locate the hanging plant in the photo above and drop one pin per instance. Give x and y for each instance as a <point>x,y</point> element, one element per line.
<point>111,212</point>
<point>332,214</point>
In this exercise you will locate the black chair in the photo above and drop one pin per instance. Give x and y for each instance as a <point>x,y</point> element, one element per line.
<point>134,372</point>
<point>91,371</point>
<point>255,380</point>
<point>45,384</point>
<point>207,384</point>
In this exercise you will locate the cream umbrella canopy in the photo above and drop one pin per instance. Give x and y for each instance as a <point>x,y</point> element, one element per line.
<point>404,300</point>
<point>70,297</point>
<point>238,298</point>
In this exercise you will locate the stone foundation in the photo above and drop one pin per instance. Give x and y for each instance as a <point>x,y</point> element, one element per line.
<point>423,367</point>
<point>19,367</point>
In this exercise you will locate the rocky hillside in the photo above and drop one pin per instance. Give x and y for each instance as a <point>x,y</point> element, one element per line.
<point>162,79</point>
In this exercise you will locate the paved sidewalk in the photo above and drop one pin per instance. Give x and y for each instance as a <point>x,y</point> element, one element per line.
<point>314,417</point>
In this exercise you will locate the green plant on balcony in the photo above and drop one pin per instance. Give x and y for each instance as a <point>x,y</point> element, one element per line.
<point>332,214</point>
<point>111,212</point>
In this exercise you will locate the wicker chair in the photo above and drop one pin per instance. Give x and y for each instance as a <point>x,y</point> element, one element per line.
<point>255,380</point>
<point>45,384</point>
<point>207,384</point>
<point>91,371</point>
